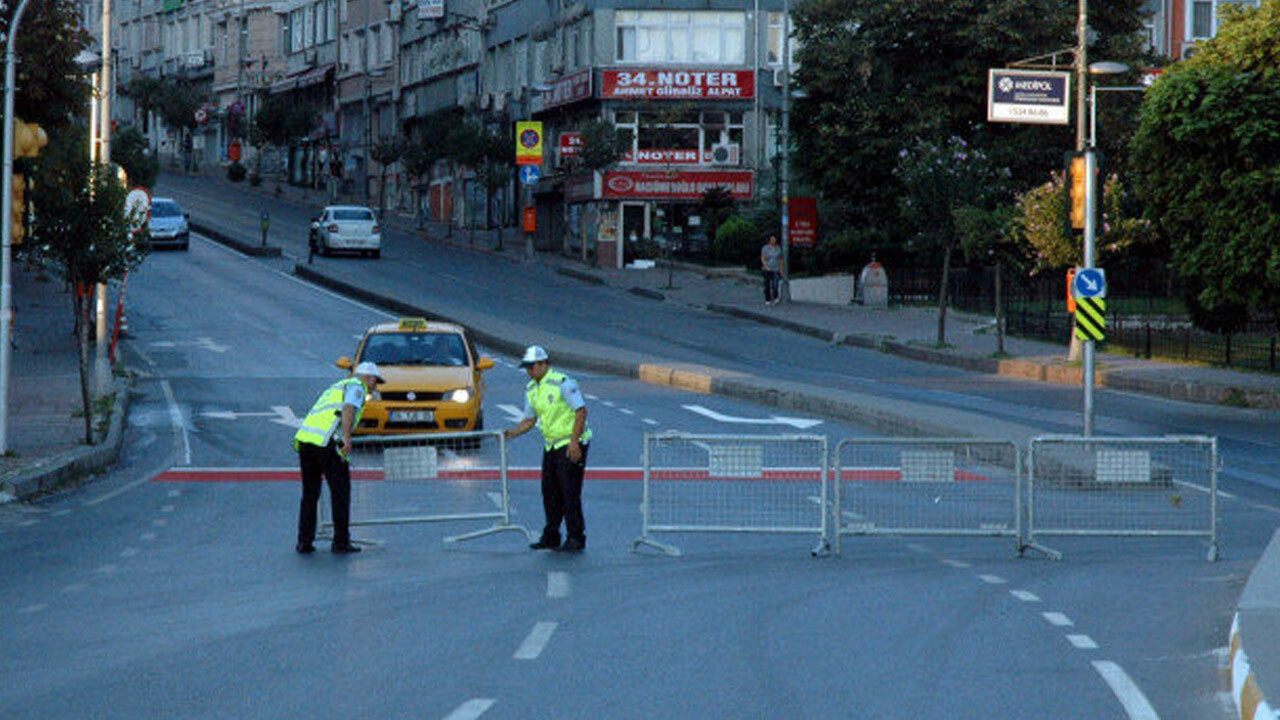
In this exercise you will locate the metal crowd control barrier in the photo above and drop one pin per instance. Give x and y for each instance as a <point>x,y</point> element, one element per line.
<point>933,486</point>
<point>1127,486</point>
<point>733,484</point>
<point>432,477</point>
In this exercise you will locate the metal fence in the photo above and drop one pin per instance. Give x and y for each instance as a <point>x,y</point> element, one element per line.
<point>733,484</point>
<point>435,477</point>
<point>900,486</point>
<point>1162,486</point>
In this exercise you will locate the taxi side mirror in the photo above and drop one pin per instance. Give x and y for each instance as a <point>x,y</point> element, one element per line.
<point>343,362</point>
<point>485,363</point>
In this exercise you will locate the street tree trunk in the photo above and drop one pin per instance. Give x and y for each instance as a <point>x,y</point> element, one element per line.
<point>944,295</point>
<point>84,308</point>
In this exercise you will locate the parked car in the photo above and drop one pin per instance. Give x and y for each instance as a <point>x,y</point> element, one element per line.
<point>168,225</point>
<point>346,228</point>
<point>434,378</point>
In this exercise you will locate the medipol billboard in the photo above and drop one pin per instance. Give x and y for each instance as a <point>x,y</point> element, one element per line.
<point>1029,96</point>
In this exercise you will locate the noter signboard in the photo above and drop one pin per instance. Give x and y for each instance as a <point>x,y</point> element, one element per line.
<point>1039,97</point>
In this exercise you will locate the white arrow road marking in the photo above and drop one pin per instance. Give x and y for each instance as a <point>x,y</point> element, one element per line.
<point>203,343</point>
<point>798,423</point>
<point>1134,702</point>
<point>280,414</point>
<point>514,414</point>
<point>557,584</point>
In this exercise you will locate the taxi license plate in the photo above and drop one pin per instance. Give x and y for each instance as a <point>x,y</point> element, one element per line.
<point>413,416</point>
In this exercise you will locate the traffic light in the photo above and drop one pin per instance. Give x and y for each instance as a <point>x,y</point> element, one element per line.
<point>19,209</point>
<point>1078,179</point>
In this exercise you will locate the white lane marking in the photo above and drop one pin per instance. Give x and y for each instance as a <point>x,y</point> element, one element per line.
<point>795,422</point>
<point>514,414</point>
<point>625,411</point>
<point>471,709</point>
<point>537,641</point>
<point>1057,619</point>
<point>175,418</point>
<point>958,564</point>
<point>147,536</point>
<point>166,508</point>
<point>175,493</point>
<point>992,579</point>
<point>59,513</point>
<point>128,552</point>
<point>648,421</point>
<point>159,522</point>
<point>1083,642</point>
<point>1266,508</point>
<point>1134,702</point>
<point>32,609</point>
<point>589,396</point>
<point>73,588</point>
<point>118,491</point>
<point>557,584</point>
<point>496,499</point>
<point>917,547</point>
<point>1025,595</point>
<point>606,403</point>
<point>1203,489</point>
<point>28,523</point>
<point>106,569</point>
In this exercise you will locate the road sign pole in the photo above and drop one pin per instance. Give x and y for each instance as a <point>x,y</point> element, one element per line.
<point>1090,194</point>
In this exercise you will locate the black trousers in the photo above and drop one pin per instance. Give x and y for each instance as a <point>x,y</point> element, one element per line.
<point>324,462</point>
<point>771,281</point>
<point>562,494</point>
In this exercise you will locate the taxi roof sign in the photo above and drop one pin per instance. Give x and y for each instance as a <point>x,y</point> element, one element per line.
<point>413,323</point>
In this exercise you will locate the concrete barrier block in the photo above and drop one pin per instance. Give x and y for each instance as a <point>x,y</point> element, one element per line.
<point>1027,369</point>
<point>655,374</point>
<point>692,381</point>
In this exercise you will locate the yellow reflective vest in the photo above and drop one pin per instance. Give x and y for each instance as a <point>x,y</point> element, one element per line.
<point>555,417</point>
<point>326,415</point>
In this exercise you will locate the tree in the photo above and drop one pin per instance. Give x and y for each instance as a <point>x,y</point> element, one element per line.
<point>1207,154</point>
<point>603,145</point>
<point>177,103</point>
<point>429,146</point>
<point>82,227</point>
<point>51,87</point>
<point>878,74</point>
<point>490,153</point>
<point>385,152</point>
<point>131,152</point>
<point>941,180</point>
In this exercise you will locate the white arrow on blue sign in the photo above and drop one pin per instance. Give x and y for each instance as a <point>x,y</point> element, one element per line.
<point>529,174</point>
<point>1091,283</point>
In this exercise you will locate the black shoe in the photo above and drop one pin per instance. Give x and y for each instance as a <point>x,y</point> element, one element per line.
<point>545,545</point>
<point>305,548</point>
<point>346,549</point>
<point>573,545</point>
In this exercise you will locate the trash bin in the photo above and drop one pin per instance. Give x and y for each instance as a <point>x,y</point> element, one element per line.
<point>874,285</point>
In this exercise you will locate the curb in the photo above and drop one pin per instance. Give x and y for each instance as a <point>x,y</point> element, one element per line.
<point>1250,703</point>
<point>50,473</point>
<point>246,248</point>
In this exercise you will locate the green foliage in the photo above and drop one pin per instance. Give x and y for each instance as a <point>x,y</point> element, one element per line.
<point>130,151</point>
<point>81,224</point>
<point>738,241</point>
<point>51,88</point>
<point>1207,155</point>
<point>280,122</point>
<point>1042,224</point>
<point>878,74</point>
<point>387,150</point>
<point>602,145</point>
<point>177,102</point>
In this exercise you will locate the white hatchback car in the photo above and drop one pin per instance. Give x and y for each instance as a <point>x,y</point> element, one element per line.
<point>346,227</point>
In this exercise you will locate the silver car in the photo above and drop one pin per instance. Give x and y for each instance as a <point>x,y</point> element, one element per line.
<point>348,228</point>
<point>167,225</point>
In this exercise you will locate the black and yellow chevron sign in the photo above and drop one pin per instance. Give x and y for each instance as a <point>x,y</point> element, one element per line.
<point>1091,319</point>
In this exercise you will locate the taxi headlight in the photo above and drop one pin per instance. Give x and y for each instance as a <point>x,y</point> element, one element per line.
<point>460,396</point>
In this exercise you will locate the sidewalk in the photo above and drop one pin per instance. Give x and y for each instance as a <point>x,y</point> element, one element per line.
<point>45,430</point>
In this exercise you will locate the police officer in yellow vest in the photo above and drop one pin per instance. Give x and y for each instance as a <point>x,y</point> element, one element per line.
<point>554,402</point>
<point>323,443</point>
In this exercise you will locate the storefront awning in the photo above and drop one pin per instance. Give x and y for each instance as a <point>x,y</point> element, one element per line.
<point>306,78</point>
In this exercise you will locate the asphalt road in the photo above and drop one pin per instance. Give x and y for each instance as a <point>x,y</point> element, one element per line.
<point>140,596</point>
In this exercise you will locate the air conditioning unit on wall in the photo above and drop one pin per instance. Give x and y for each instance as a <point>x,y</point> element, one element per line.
<point>726,154</point>
<point>779,77</point>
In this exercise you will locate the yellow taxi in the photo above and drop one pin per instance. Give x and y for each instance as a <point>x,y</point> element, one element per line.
<point>434,378</point>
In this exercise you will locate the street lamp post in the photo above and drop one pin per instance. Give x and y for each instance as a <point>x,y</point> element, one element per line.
<point>785,170</point>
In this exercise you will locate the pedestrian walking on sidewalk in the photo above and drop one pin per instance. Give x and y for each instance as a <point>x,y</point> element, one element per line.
<point>771,267</point>
<point>553,401</point>
<point>323,443</point>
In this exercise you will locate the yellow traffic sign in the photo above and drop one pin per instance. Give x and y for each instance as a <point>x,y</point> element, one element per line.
<point>528,143</point>
<point>1091,319</point>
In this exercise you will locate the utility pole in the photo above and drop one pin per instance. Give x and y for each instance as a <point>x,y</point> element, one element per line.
<point>785,290</point>
<point>6,227</point>
<point>1090,192</point>
<point>102,366</point>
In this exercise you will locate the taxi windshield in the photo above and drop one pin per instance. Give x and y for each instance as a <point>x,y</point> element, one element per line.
<point>439,349</point>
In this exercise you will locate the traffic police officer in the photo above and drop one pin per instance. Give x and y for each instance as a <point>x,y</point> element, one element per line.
<point>337,410</point>
<point>554,402</point>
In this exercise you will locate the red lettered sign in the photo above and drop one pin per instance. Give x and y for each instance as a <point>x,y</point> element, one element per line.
<point>569,144</point>
<point>802,221</point>
<point>653,84</point>
<point>682,185</point>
